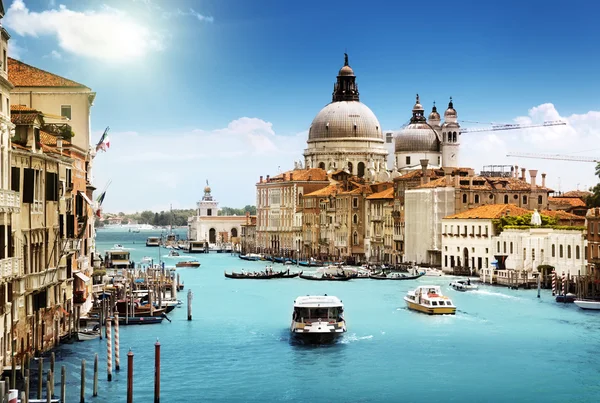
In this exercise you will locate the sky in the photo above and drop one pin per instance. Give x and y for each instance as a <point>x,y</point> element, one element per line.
<point>225,90</point>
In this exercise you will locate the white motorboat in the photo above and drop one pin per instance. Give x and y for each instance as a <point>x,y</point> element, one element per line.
<point>430,271</point>
<point>429,299</point>
<point>318,319</point>
<point>153,241</point>
<point>463,285</point>
<point>88,334</point>
<point>588,304</point>
<point>173,253</point>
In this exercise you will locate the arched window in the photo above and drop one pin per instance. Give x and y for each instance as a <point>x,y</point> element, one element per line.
<point>504,247</point>
<point>322,165</point>
<point>355,238</point>
<point>505,199</point>
<point>350,167</point>
<point>476,199</point>
<point>498,248</point>
<point>553,250</point>
<point>524,199</point>
<point>355,219</point>
<point>511,247</point>
<point>464,197</point>
<point>444,136</point>
<point>560,251</point>
<point>454,137</point>
<point>361,169</point>
<point>234,233</point>
<point>568,251</point>
<point>540,199</point>
<point>577,252</point>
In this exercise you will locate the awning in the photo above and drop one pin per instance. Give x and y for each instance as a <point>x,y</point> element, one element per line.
<point>82,277</point>
<point>87,199</point>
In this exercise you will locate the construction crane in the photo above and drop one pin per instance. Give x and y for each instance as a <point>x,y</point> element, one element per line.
<point>513,126</point>
<point>553,157</point>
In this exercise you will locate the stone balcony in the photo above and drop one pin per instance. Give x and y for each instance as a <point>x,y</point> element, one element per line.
<point>10,201</point>
<point>10,267</point>
<point>376,217</point>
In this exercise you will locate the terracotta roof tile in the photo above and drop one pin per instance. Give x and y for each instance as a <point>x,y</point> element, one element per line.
<point>24,75</point>
<point>438,183</point>
<point>567,201</point>
<point>50,139</point>
<point>562,215</point>
<point>326,191</point>
<point>22,108</point>
<point>312,174</point>
<point>23,118</point>
<point>491,211</point>
<point>385,194</point>
<point>582,194</point>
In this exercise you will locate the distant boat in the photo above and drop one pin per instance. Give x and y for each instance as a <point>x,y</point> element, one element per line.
<point>588,304</point>
<point>190,263</point>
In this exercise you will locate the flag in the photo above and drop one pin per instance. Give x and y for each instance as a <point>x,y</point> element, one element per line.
<point>104,142</point>
<point>100,198</point>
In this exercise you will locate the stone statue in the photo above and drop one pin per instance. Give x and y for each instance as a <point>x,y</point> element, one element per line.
<point>345,59</point>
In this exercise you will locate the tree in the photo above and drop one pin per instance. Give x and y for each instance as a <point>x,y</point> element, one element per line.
<point>594,199</point>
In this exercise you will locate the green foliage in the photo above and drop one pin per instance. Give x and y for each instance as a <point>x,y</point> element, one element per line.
<point>236,211</point>
<point>179,218</point>
<point>564,227</point>
<point>521,222</point>
<point>543,267</point>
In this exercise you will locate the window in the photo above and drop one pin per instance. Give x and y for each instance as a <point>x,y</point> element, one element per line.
<point>65,111</point>
<point>511,247</point>
<point>360,169</point>
<point>540,199</point>
<point>568,251</point>
<point>355,219</point>
<point>355,202</point>
<point>524,199</point>
<point>355,238</point>
<point>505,199</point>
<point>560,251</point>
<point>498,247</point>
<point>532,254</point>
<point>476,198</point>
<point>407,160</point>
<point>439,160</point>
<point>504,247</point>
<point>577,252</point>
<point>553,250</point>
<point>209,211</point>
<point>464,198</point>
<point>15,179</point>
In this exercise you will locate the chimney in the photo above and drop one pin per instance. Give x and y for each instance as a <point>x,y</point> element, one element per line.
<point>532,175</point>
<point>261,179</point>
<point>447,172</point>
<point>424,177</point>
<point>291,176</point>
<point>267,178</point>
<point>516,171</point>
<point>544,180</point>
<point>523,174</point>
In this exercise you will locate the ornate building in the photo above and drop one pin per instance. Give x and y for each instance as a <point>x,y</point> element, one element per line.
<point>345,134</point>
<point>426,139</point>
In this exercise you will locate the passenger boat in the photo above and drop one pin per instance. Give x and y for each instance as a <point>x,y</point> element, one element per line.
<point>196,247</point>
<point>153,241</point>
<point>190,263</point>
<point>255,276</point>
<point>89,334</point>
<point>173,253</point>
<point>394,276</point>
<point>326,277</point>
<point>429,299</point>
<point>588,304</point>
<point>463,285</point>
<point>570,297</point>
<point>317,319</point>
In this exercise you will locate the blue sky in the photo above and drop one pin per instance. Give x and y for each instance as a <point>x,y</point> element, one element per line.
<point>225,90</point>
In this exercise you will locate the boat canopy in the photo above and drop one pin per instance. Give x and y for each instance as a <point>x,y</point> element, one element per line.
<point>317,301</point>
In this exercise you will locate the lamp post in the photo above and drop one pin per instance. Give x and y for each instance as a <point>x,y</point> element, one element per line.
<point>297,257</point>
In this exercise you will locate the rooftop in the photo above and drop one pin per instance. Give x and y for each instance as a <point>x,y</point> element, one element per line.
<point>311,174</point>
<point>490,211</point>
<point>24,75</point>
<point>385,194</point>
<point>324,192</point>
<point>567,201</point>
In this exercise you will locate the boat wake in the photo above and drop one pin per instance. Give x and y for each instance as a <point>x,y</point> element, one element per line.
<point>494,294</point>
<point>354,338</point>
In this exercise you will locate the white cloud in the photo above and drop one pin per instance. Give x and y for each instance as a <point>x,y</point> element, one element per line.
<point>14,50</point>
<point>151,171</point>
<point>579,138</point>
<point>169,13</point>
<point>108,34</point>
<point>54,55</point>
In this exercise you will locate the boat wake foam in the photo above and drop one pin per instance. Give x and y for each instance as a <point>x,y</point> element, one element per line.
<point>354,338</point>
<point>494,294</point>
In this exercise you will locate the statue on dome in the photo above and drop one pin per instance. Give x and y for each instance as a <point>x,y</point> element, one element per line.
<point>345,59</point>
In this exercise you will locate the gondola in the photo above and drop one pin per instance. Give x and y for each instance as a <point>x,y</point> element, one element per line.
<point>291,275</point>
<point>396,277</point>
<point>314,278</point>
<point>255,277</point>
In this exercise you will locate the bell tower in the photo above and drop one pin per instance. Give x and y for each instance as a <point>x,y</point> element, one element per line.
<point>450,138</point>
<point>345,89</point>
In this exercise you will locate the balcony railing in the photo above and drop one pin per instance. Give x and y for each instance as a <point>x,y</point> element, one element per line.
<point>376,217</point>
<point>10,267</point>
<point>10,199</point>
<point>71,245</point>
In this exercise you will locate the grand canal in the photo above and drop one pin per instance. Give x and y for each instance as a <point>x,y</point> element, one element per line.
<point>502,345</point>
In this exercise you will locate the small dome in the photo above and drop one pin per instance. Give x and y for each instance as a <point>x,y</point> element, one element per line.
<point>434,115</point>
<point>346,71</point>
<point>207,189</point>
<point>450,112</point>
<point>345,119</point>
<point>418,106</point>
<point>417,137</point>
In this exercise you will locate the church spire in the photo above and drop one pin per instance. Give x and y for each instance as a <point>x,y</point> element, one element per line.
<point>345,89</point>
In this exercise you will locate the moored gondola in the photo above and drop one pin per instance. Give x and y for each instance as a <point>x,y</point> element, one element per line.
<point>291,275</point>
<point>395,277</point>
<point>255,276</point>
<point>326,278</point>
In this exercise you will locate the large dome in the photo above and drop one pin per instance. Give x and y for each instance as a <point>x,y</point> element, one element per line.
<point>417,137</point>
<point>345,119</point>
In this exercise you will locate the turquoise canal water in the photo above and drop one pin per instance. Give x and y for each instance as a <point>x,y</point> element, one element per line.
<point>502,345</point>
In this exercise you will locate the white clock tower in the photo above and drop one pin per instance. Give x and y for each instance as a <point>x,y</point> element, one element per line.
<point>450,137</point>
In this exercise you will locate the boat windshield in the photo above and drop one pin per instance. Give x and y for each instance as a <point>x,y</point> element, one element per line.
<point>314,314</point>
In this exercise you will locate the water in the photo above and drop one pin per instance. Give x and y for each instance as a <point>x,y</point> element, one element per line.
<point>502,345</point>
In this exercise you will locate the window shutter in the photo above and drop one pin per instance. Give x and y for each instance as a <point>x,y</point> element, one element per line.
<point>70,226</point>
<point>15,179</point>
<point>79,205</point>
<point>61,225</point>
<point>28,183</point>
<point>49,187</point>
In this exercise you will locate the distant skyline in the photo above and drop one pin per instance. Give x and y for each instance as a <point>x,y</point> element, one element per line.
<point>226,90</point>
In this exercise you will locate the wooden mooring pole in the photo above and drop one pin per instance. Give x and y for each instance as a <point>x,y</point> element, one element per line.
<point>40,377</point>
<point>130,376</point>
<point>157,372</point>
<point>189,304</point>
<point>82,393</point>
<point>117,353</point>
<point>49,388</point>
<point>108,350</point>
<point>95,387</point>
<point>63,384</point>
<point>52,362</point>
